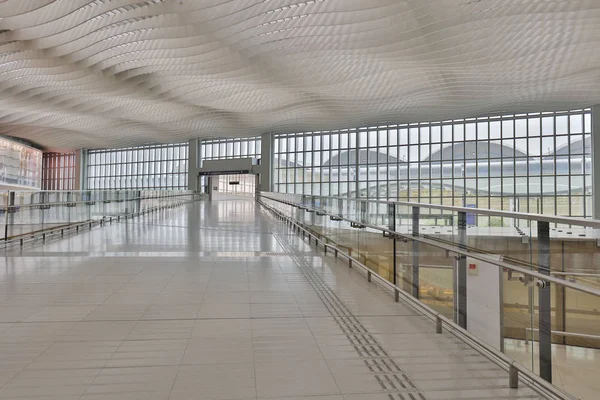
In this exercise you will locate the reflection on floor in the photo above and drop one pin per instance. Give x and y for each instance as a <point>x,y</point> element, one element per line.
<point>217,301</point>
<point>574,369</point>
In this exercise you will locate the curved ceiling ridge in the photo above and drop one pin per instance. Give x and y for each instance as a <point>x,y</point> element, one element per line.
<point>110,73</point>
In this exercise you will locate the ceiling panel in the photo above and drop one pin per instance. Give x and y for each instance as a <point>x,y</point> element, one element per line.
<point>109,73</point>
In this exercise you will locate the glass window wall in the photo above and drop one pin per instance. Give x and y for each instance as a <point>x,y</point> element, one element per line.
<point>221,149</point>
<point>536,163</point>
<point>140,167</point>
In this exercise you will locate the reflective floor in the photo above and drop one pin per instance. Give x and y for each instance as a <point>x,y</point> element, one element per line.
<point>574,369</point>
<point>217,301</point>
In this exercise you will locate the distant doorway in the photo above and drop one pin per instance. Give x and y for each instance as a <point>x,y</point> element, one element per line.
<point>236,184</point>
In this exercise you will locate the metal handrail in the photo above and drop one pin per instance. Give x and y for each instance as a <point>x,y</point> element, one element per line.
<point>585,274</point>
<point>28,191</point>
<point>36,205</point>
<point>591,223</point>
<point>461,251</point>
<point>500,359</point>
<point>28,236</point>
<point>563,333</point>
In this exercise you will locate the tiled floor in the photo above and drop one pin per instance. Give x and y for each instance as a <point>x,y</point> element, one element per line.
<point>574,369</point>
<point>217,301</point>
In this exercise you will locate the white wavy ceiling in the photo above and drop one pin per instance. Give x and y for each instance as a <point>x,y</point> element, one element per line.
<point>108,73</point>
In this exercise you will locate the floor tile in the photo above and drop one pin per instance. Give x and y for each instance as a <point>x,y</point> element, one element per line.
<point>171,311</point>
<point>216,310</point>
<point>299,378</point>
<point>59,382</point>
<point>234,328</point>
<point>150,330</point>
<point>134,381</point>
<point>215,382</point>
<point>219,351</point>
<point>16,313</point>
<point>117,313</point>
<point>137,353</point>
<point>61,313</point>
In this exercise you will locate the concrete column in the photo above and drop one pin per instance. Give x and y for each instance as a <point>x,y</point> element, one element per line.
<point>544,302</point>
<point>10,216</point>
<point>81,164</point>
<point>194,162</point>
<point>415,253</point>
<point>211,182</point>
<point>266,162</point>
<point>392,227</point>
<point>257,187</point>
<point>462,271</point>
<point>596,161</point>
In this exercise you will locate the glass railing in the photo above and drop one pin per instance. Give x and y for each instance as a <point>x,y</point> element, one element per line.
<point>526,284</point>
<point>28,212</point>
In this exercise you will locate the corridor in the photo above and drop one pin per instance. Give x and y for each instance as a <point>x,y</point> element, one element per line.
<point>217,301</point>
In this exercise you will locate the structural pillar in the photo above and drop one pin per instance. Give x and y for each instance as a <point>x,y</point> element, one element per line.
<point>544,302</point>
<point>560,301</point>
<point>415,253</point>
<point>596,161</point>
<point>210,181</point>
<point>462,271</point>
<point>10,216</point>
<point>392,227</point>
<point>81,162</point>
<point>266,162</point>
<point>257,186</point>
<point>194,162</point>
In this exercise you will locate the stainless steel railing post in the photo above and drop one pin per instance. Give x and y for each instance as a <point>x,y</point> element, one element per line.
<point>415,252</point>
<point>462,271</point>
<point>513,377</point>
<point>544,299</point>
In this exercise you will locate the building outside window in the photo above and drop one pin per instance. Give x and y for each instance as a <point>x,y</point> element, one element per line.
<point>20,165</point>
<point>58,171</point>
<point>536,163</point>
